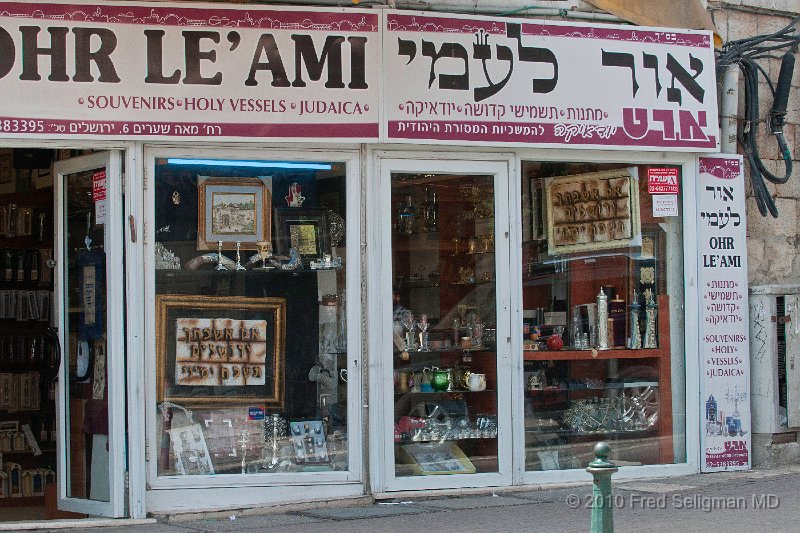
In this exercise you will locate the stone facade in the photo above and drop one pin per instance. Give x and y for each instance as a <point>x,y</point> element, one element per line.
<point>773,244</point>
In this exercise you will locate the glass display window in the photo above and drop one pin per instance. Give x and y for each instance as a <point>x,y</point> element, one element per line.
<point>251,367</point>
<point>602,278</point>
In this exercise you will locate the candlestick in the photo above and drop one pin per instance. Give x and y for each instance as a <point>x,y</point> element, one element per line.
<point>602,321</point>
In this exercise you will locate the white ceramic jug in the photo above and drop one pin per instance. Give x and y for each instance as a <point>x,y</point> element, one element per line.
<point>476,382</point>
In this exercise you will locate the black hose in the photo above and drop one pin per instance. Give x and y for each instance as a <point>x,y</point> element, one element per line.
<point>744,52</point>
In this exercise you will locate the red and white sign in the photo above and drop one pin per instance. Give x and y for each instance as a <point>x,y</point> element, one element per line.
<point>459,79</point>
<point>163,71</point>
<point>663,181</point>
<point>99,185</point>
<point>725,432</point>
<point>99,196</point>
<point>135,70</point>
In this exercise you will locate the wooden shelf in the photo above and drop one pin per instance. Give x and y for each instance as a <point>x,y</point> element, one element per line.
<point>26,501</point>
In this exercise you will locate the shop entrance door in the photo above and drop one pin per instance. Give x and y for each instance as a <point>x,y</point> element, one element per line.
<point>90,312</point>
<point>444,334</point>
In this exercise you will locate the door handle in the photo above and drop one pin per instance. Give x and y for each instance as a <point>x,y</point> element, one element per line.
<point>132,224</point>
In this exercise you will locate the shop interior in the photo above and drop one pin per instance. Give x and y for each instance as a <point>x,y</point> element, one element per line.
<point>29,354</point>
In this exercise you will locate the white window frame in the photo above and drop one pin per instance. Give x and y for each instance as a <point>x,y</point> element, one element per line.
<point>201,492</point>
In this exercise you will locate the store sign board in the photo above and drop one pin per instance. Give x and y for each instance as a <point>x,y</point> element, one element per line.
<point>464,79</point>
<point>166,71</point>
<point>724,314</point>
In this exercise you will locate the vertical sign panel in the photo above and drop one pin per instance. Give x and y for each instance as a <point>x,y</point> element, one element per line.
<point>724,344</point>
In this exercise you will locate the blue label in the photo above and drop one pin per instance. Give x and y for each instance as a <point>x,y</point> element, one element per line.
<point>255,413</point>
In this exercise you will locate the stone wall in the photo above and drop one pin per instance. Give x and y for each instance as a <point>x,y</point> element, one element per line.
<point>773,244</point>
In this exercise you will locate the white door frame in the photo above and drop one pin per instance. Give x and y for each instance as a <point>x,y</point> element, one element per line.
<point>111,161</point>
<point>382,469</point>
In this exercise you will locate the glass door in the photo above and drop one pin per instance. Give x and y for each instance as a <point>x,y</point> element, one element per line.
<point>450,384</point>
<point>89,305</point>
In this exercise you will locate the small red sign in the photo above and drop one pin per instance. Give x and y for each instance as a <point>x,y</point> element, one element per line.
<point>663,181</point>
<point>99,185</point>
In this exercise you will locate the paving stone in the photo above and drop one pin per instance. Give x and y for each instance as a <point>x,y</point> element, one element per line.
<point>358,513</point>
<point>552,496</point>
<point>474,502</point>
<point>245,523</point>
<point>659,488</point>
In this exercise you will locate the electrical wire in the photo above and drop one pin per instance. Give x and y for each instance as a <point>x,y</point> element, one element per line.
<point>744,53</point>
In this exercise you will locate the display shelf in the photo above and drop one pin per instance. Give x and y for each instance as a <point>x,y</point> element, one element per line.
<point>609,386</point>
<point>428,441</point>
<point>25,501</point>
<point>660,359</point>
<point>459,391</point>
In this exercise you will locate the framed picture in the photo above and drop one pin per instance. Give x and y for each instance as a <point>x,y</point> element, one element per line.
<point>305,230</point>
<point>593,211</point>
<point>436,458</point>
<point>217,351</point>
<point>233,210</point>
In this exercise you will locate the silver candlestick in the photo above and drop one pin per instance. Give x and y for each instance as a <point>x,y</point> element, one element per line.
<point>650,313</point>
<point>635,341</point>
<point>239,256</point>
<point>602,321</point>
<point>220,266</point>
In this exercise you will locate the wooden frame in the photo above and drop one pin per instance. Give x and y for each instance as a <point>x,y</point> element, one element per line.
<point>593,211</point>
<point>205,339</point>
<point>306,230</point>
<point>251,219</point>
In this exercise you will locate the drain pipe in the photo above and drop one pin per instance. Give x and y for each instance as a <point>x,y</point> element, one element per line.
<point>729,109</point>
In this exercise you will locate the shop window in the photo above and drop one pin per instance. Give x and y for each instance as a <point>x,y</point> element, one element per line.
<point>602,286</point>
<point>250,352</point>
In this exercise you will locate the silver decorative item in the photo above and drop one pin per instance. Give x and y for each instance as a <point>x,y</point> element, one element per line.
<point>635,340</point>
<point>423,326</point>
<point>602,321</point>
<point>220,266</point>
<point>165,259</point>
<point>274,430</point>
<point>650,314</point>
<point>239,265</point>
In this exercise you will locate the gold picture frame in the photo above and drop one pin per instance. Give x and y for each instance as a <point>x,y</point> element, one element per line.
<point>592,211</point>
<point>220,351</point>
<point>233,210</point>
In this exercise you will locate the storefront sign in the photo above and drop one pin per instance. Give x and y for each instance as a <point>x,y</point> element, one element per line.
<point>663,180</point>
<point>724,345</point>
<point>457,79</point>
<point>162,71</point>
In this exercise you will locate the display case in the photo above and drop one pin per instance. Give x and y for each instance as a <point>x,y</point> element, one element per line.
<point>597,318</point>
<point>444,324</point>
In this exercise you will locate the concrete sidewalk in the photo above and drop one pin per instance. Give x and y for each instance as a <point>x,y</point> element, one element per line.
<point>760,500</point>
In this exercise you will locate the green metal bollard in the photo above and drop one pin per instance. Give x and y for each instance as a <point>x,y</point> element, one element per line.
<point>602,502</point>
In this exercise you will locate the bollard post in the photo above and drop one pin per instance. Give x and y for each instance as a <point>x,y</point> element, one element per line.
<point>602,502</point>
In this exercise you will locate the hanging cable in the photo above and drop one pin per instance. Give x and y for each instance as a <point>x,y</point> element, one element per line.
<point>745,53</point>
